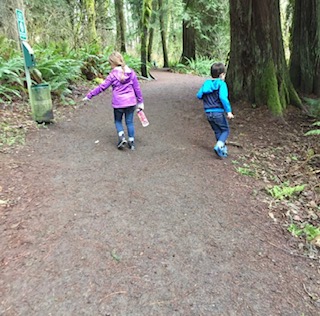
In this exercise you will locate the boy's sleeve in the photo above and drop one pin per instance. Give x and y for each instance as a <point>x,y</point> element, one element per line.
<point>223,95</point>
<point>200,93</point>
<point>100,88</point>
<point>136,88</point>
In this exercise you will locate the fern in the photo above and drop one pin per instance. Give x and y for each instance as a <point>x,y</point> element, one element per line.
<point>315,131</point>
<point>11,78</point>
<point>313,106</point>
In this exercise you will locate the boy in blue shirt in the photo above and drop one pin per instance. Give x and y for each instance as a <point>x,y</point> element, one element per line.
<point>214,93</point>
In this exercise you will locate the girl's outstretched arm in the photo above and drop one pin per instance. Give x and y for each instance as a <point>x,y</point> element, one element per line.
<point>100,88</point>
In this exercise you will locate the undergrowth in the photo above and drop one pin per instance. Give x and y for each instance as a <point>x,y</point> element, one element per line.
<point>291,181</point>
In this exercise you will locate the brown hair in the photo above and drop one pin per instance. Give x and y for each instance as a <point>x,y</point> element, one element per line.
<point>116,59</point>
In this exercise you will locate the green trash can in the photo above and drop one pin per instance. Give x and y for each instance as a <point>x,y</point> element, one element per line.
<point>41,103</point>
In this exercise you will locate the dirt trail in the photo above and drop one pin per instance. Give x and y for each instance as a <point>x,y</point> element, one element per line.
<point>165,230</point>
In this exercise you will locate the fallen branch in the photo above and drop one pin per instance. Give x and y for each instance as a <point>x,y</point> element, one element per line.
<point>234,144</point>
<point>314,297</point>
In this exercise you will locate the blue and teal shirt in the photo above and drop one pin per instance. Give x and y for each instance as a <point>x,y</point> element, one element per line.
<point>214,94</point>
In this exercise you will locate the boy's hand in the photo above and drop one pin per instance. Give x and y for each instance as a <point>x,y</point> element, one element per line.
<point>85,99</point>
<point>230,115</point>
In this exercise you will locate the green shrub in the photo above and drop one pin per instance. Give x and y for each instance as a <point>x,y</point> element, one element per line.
<point>11,78</point>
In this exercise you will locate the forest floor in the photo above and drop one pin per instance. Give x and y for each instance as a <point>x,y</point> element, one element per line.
<point>168,229</point>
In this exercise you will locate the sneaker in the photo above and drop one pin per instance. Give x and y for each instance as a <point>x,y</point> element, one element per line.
<point>224,150</point>
<point>219,152</point>
<point>122,142</point>
<point>132,145</point>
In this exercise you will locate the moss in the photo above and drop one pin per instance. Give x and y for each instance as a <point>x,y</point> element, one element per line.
<point>267,90</point>
<point>294,98</point>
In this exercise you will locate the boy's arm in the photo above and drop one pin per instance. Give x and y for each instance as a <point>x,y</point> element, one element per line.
<point>223,95</point>
<point>200,93</point>
<point>100,88</point>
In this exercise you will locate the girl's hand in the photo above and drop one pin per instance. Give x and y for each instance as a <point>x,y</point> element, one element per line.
<point>85,99</point>
<point>140,106</point>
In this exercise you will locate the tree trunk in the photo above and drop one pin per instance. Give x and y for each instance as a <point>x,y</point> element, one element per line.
<point>8,24</point>
<point>258,72</point>
<point>188,33</point>
<point>305,47</point>
<point>89,6</point>
<point>151,31</point>
<point>121,29</point>
<point>163,34</point>
<point>149,53</point>
<point>146,15</point>
<point>188,42</point>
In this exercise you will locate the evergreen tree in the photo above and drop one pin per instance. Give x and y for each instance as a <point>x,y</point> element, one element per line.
<point>145,20</point>
<point>305,47</point>
<point>121,26</point>
<point>258,71</point>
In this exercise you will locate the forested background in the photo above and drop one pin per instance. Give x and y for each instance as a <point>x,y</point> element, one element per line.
<point>271,47</point>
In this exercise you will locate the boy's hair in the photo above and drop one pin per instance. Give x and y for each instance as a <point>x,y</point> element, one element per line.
<point>117,60</point>
<point>217,69</point>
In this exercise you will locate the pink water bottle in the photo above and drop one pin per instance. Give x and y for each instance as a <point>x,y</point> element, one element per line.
<point>143,119</point>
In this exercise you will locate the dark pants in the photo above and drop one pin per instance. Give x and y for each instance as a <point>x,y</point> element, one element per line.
<point>219,124</point>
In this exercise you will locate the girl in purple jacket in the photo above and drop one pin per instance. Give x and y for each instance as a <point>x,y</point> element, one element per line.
<point>126,95</point>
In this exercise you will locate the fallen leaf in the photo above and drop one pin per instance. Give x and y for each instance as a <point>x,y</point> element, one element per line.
<point>316,241</point>
<point>272,216</point>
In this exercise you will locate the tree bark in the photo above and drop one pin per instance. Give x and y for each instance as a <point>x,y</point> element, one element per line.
<point>8,24</point>
<point>305,47</point>
<point>188,34</point>
<point>145,20</point>
<point>188,42</point>
<point>121,26</point>
<point>258,72</point>
<point>89,6</point>
<point>163,34</point>
<point>151,31</point>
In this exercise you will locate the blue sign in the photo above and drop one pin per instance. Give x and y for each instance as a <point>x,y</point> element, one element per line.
<point>22,29</point>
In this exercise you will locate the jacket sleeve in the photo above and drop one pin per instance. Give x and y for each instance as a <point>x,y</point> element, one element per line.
<point>223,95</point>
<point>136,88</point>
<point>100,88</point>
<point>200,93</point>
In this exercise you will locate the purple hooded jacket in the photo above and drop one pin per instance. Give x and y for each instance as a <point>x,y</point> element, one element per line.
<point>125,88</point>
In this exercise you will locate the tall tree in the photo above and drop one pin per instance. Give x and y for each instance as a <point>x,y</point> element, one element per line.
<point>305,47</point>
<point>188,34</point>
<point>145,20</point>
<point>151,30</point>
<point>89,7</point>
<point>163,34</point>
<point>104,22</point>
<point>211,20</point>
<point>121,30</point>
<point>257,70</point>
